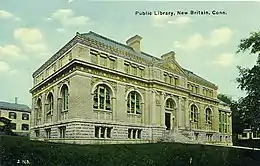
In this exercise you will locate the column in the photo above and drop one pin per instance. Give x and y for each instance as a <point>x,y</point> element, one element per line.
<point>162,110</point>
<point>99,132</point>
<point>152,103</point>
<point>105,133</point>
<point>136,134</point>
<point>179,113</point>
<point>230,123</point>
<point>59,109</point>
<point>187,116</point>
<point>215,123</point>
<point>142,112</point>
<point>114,108</point>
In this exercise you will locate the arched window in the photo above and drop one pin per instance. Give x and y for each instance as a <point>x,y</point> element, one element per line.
<point>50,104</point>
<point>170,104</point>
<point>134,103</point>
<point>208,116</point>
<point>102,98</point>
<point>65,97</point>
<point>39,109</point>
<point>194,113</point>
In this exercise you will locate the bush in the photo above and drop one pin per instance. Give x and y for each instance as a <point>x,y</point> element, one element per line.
<point>53,154</point>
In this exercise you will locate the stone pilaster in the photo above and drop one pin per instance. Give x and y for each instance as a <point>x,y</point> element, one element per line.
<point>179,113</point>
<point>162,109</point>
<point>187,116</point>
<point>153,104</point>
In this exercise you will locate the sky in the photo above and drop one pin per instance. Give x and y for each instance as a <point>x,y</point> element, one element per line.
<point>32,31</point>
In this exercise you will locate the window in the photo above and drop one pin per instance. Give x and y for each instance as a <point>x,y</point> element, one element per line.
<point>62,131</point>
<point>209,118</point>
<point>171,80</point>
<point>13,126</point>
<point>134,70</point>
<point>134,133</point>
<point>65,97</point>
<point>37,133</point>
<point>196,89</point>
<point>50,104</point>
<point>176,81</point>
<point>109,132</point>
<point>170,104</point>
<point>127,68</point>
<point>141,72</point>
<point>25,116</point>
<point>94,56</point>
<point>129,133</point>
<point>103,132</point>
<point>102,98</point>
<point>165,77</point>
<point>112,64</point>
<point>103,61</point>
<point>48,133</point>
<point>38,109</point>
<point>25,127</point>
<point>12,115</point>
<point>220,138</point>
<point>134,103</point>
<point>194,113</point>
<point>209,136</point>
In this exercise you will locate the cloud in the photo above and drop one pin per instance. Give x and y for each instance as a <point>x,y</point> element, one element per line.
<point>216,38</point>
<point>220,36</point>
<point>7,15</point>
<point>180,21</point>
<point>67,18</point>
<point>159,20</point>
<point>5,68</point>
<point>31,39</point>
<point>10,50</point>
<point>163,20</point>
<point>225,59</point>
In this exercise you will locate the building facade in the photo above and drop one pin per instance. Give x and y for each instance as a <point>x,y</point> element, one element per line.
<point>97,90</point>
<point>19,114</point>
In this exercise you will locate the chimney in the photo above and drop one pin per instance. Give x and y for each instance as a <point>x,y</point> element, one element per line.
<point>169,56</point>
<point>134,42</point>
<point>15,100</point>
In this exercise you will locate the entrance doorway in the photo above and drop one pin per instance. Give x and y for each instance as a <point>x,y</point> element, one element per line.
<point>168,121</point>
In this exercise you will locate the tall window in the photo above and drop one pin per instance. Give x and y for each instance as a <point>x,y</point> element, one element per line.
<point>209,118</point>
<point>170,104</point>
<point>65,97</point>
<point>102,98</point>
<point>194,113</point>
<point>50,104</point>
<point>134,103</point>
<point>38,110</point>
<point>12,115</point>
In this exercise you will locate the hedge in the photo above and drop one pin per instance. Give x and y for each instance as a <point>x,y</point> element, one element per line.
<point>39,153</point>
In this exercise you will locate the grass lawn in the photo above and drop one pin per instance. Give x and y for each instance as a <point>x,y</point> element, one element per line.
<point>38,153</point>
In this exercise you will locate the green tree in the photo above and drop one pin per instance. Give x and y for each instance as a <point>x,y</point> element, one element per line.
<point>249,81</point>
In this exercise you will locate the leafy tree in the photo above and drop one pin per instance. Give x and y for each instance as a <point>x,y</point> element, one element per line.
<point>249,81</point>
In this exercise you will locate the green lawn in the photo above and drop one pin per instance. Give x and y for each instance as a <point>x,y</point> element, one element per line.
<point>175,154</point>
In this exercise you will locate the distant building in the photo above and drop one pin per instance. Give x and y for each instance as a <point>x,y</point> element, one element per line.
<point>97,90</point>
<point>19,114</point>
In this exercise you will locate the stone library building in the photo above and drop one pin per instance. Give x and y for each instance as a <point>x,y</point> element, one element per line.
<point>96,90</point>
